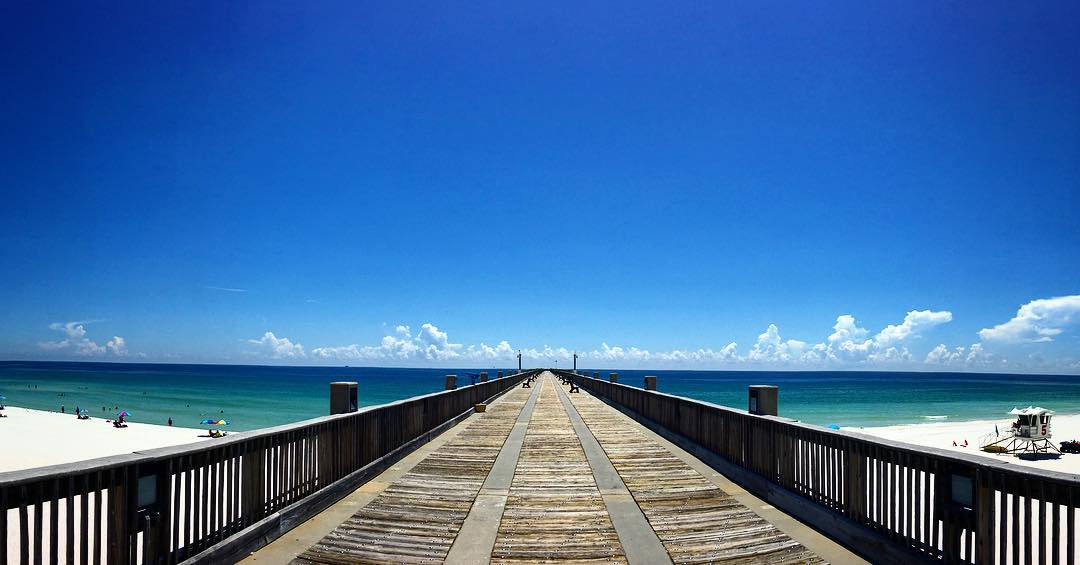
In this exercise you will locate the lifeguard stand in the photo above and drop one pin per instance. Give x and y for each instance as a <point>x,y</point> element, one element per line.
<point>1029,436</point>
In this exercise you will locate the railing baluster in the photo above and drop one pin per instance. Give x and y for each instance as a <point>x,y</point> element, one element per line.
<point>24,527</point>
<point>3,526</point>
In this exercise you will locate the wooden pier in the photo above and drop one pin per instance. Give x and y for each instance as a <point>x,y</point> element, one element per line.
<point>586,485</point>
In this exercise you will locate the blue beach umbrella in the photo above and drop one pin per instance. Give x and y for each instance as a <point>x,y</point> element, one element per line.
<point>124,414</point>
<point>833,426</point>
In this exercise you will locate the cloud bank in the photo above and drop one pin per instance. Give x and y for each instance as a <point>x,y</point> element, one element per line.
<point>848,345</point>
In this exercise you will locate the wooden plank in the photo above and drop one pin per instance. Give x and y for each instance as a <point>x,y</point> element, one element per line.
<point>418,516</point>
<point>188,508</point>
<point>1055,528</point>
<point>697,521</point>
<point>24,528</point>
<point>84,519</point>
<point>1003,519</point>
<point>69,520</point>
<point>3,526</point>
<point>1042,523</point>
<point>554,510</point>
<point>1070,528</point>
<point>1015,521</point>
<point>1028,492</point>
<point>177,477</point>
<point>99,491</point>
<point>54,521</point>
<point>39,511</point>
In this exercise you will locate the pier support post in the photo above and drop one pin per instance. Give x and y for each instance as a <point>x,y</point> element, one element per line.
<point>764,400</point>
<point>650,382</point>
<point>500,374</point>
<point>613,377</point>
<point>451,382</point>
<point>596,375</point>
<point>483,376</point>
<point>343,397</point>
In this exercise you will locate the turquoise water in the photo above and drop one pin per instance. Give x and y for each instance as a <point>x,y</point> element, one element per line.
<point>253,397</point>
<point>249,397</point>
<point>864,398</point>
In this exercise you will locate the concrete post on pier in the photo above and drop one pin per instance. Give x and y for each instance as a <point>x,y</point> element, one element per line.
<point>613,377</point>
<point>650,382</point>
<point>343,397</point>
<point>451,382</point>
<point>500,374</point>
<point>764,400</point>
<point>483,376</point>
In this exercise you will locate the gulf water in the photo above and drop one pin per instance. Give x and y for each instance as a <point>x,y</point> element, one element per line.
<point>252,397</point>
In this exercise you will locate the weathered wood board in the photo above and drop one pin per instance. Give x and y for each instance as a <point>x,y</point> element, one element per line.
<point>417,518</point>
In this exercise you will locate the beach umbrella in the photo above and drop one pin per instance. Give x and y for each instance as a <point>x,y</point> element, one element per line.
<point>213,422</point>
<point>833,426</point>
<point>124,414</point>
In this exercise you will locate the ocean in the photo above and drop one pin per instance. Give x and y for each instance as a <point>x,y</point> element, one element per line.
<point>252,397</point>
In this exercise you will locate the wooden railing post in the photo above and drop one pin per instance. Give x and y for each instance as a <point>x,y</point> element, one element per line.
<point>855,482</point>
<point>251,486</point>
<point>984,518</point>
<point>118,522</point>
<point>158,524</point>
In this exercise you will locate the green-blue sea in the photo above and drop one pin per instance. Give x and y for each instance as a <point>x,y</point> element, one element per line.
<point>252,397</point>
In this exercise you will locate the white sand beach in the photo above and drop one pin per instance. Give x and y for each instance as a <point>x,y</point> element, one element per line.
<point>942,434</point>
<point>36,438</point>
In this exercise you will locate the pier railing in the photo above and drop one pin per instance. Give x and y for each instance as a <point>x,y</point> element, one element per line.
<point>215,500</point>
<point>890,501</point>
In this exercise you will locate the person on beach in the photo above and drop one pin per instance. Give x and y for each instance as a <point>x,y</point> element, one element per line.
<point>170,422</point>
<point>62,409</point>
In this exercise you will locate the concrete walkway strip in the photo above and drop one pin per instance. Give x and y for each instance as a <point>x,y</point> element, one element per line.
<point>639,541</point>
<point>476,539</point>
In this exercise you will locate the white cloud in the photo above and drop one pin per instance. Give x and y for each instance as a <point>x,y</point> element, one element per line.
<point>1037,321</point>
<point>942,355</point>
<point>278,348</point>
<point>117,346</point>
<point>848,345</point>
<point>846,330</point>
<point>890,355</point>
<point>771,348</point>
<point>75,341</point>
<point>913,325</point>
<point>430,344</point>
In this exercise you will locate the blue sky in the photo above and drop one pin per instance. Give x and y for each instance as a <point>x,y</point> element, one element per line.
<point>644,183</point>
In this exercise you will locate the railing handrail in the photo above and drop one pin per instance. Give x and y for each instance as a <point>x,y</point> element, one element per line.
<point>153,455</point>
<point>895,502</point>
<point>951,456</point>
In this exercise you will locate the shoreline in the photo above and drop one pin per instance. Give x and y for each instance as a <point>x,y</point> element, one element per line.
<point>31,438</point>
<point>942,435</point>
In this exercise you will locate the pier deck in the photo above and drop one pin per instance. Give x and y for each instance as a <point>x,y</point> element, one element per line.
<point>547,476</point>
